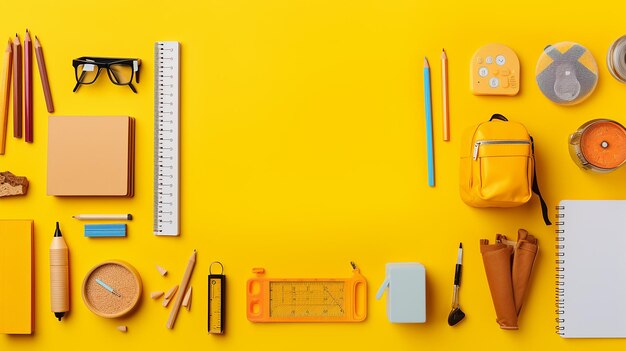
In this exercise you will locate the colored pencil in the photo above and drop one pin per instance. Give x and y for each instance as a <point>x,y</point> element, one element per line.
<point>429,124</point>
<point>43,73</point>
<point>4,103</point>
<point>17,87</point>
<point>125,216</point>
<point>444,94</point>
<point>28,88</point>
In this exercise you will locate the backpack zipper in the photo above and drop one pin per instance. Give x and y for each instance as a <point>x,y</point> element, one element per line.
<point>487,142</point>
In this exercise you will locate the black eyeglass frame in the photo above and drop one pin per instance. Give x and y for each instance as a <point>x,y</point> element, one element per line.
<point>106,63</point>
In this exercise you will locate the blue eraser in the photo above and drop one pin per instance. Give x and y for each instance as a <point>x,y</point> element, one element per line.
<point>105,230</point>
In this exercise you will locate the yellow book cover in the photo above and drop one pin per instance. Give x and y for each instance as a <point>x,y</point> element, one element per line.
<point>16,277</point>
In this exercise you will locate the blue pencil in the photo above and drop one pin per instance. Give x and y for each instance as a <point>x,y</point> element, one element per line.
<point>429,124</point>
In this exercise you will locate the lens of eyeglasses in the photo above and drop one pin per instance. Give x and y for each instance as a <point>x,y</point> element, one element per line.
<point>120,73</point>
<point>86,73</point>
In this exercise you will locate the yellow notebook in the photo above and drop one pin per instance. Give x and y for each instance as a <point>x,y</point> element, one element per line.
<point>16,277</point>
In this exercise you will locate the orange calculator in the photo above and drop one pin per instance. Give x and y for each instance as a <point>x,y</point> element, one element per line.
<point>494,70</point>
<point>306,300</point>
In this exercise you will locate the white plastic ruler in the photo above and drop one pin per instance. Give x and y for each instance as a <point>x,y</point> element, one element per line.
<point>166,138</point>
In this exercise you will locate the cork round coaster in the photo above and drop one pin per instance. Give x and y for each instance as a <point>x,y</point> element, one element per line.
<point>111,289</point>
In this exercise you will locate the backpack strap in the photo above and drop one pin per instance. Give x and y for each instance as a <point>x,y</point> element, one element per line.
<point>498,116</point>
<point>544,207</point>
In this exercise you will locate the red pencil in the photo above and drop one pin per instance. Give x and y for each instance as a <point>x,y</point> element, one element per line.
<point>17,87</point>
<point>43,73</point>
<point>28,88</point>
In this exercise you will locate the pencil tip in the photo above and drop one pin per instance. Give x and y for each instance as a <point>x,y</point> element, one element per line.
<point>426,62</point>
<point>460,245</point>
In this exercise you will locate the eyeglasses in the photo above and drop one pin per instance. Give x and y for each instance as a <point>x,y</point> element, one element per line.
<point>120,70</point>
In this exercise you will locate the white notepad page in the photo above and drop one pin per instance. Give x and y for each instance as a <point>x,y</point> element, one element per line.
<point>593,268</point>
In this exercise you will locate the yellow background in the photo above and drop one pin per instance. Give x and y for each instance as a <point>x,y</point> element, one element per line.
<point>302,149</point>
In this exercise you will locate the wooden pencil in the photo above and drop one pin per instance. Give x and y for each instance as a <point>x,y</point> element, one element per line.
<point>183,287</point>
<point>43,73</point>
<point>28,88</point>
<point>6,90</point>
<point>17,87</point>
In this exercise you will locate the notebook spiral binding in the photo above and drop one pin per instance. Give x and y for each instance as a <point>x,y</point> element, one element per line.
<point>560,272</point>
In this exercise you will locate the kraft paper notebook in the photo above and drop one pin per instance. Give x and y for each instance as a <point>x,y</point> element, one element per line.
<point>91,156</point>
<point>591,269</point>
<point>16,277</point>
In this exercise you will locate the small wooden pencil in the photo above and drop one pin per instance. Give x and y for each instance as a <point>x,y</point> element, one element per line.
<point>115,217</point>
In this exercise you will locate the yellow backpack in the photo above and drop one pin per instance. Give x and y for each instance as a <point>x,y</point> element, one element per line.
<point>498,165</point>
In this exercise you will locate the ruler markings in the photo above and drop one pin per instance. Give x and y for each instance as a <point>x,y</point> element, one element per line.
<point>166,139</point>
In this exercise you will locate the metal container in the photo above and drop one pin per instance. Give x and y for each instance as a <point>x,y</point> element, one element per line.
<point>599,145</point>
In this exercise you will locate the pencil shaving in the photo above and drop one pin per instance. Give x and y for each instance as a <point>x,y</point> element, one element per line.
<point>169,295</point>
<point>161,270</point>
<point>166,302</point>
<point>187,299</point>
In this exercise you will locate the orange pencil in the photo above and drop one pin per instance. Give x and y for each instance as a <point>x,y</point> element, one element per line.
<point>43,73</point>
<point>444,93</point>
<point>28,88</point>
<point>17,87</point>
<point>5,97</point>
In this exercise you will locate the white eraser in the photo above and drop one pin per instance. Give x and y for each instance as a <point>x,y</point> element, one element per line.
<point>406,295</point>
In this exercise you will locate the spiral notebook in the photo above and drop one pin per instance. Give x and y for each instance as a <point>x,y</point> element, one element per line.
<point>591,269</point>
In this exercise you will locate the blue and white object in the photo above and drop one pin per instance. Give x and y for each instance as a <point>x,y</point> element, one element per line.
<point>406,298</point>
<point>105,230</point>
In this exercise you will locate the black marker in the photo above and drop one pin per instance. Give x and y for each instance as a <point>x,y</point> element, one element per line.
<point>456,315</point>
<point>459,267</point>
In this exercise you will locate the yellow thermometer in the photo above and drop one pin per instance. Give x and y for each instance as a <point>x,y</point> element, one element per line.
<point>307,300</point>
